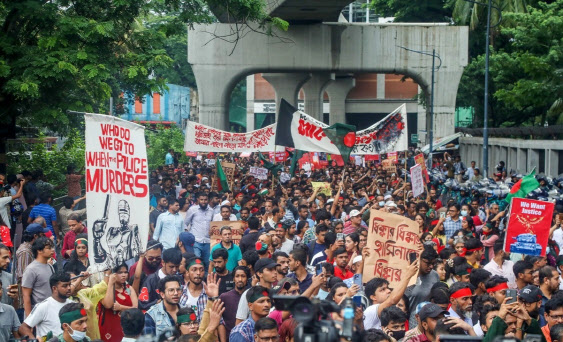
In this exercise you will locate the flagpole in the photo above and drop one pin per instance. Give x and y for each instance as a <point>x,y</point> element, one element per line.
<point>405,190</point>
<point>275,148</point>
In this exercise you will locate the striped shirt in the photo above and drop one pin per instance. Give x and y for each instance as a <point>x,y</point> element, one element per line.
<point>24,256</point>
<point>47,212</point>
<point>198,220</point>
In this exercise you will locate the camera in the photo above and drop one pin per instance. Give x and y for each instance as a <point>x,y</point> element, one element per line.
<point>313,316</point>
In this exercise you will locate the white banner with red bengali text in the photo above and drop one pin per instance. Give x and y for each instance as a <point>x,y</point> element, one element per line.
<point>202,138</point>
<point>117,190</point>
<point>301,131</point>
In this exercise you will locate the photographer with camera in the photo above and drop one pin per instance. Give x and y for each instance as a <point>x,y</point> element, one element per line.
<point>512,320</point>
<point>5,201</point>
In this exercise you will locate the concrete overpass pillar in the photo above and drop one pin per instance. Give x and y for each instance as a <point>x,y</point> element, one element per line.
<point>445,92</point>
<point>287,87</point>
<point>314,90</point>
<point>337,92</point>
<point>214,85</point>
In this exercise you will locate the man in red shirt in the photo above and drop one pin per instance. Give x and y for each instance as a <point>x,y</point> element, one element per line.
<point>341,259</point>
<point>76,227</point>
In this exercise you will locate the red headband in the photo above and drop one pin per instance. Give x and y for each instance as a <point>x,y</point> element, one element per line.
<point>502,286</point>
<point>466,292</point>
<point>465,250</point>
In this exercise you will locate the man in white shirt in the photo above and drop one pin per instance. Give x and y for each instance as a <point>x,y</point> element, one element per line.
<point>381,297</point>
<point>5,201</point>
<point>225,214</point>
<point>501,264</point>
<point>45,316</point>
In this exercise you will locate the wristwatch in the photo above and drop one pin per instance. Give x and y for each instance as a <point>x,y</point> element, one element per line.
<point>213,298</point>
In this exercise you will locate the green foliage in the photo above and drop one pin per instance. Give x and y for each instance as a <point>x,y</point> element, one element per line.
<point>526,78</point>
<point>159,141</point>
<point>412,11</point>
<point>54,163</point>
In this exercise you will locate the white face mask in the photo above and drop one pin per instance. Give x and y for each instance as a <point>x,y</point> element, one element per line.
<point>382,204</point>
<point>77,335</point>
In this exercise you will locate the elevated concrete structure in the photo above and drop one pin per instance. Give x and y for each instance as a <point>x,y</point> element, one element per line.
<point>329,48</point>
<point>294,11</point>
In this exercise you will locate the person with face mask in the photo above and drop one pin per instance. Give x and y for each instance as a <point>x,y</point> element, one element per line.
<point>461,302</point>
<point>74,322</point>
<point>393,322</point>
<point>148,295</point>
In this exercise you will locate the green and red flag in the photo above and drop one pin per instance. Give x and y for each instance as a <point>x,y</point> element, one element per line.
<point>343,137</point>
<point>222,183</point>
<point>269,165</point>
<point>297,154</point>
<point>523,187</point>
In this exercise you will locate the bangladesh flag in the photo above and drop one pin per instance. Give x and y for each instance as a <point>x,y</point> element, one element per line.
<point>343,137</point>
<point>523,187</point>
<point>268,165</point>
<point>222,184</point>
<point>297,154</point>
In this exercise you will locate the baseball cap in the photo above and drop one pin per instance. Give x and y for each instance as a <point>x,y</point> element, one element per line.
<point>285,285</point>
<point>431,310</point>
<point>419,307</point>
<point>264,263</point>
<point>391,204</point>
<point>354,212</point>
<point>530,294</point>
<point>36,228</point>
<point>386,197</point>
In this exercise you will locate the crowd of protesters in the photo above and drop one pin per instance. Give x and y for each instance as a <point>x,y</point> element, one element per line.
<point>298,240</point>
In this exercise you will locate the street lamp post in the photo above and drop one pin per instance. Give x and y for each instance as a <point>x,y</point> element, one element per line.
<point>486,95</point>
<point>431,131</point>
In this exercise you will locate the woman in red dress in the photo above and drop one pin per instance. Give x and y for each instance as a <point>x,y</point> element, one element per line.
<point>119,297</point>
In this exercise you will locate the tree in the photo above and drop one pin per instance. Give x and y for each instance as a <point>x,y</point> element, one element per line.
<point>62,55</point>
<point>159,141</point>
<point>412,11</point>
<point>526,84</point>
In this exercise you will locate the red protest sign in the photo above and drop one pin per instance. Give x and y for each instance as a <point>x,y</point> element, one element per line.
<point>370,157</point>
<point>191,154</point>
<point>281,156</point>
<point>392,156</point>
<point>528,227</point>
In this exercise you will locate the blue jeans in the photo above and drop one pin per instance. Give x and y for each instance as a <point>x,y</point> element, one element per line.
<point>203,251</point>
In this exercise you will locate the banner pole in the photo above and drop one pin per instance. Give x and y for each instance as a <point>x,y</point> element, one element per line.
<point>275,150</point>
<point>405,190</point>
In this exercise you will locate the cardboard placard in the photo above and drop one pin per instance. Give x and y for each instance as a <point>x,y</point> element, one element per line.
<point>391,238</point>
<point>237,228</point>
<point>388,166</point>
<point>419,159</point>
<point>324,188</point>
<point>258,172</point>
<point>528,227</point>
<point>229,169</point>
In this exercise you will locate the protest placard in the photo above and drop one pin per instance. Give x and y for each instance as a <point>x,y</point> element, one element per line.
<point>210,162</point>
<point>419,159</point>
<point>237,228</point>
<point>229,169</point>
<point>528,227</point>
<point>324,188</point>
<point>417,181</point>
<point>191,154</point>
<point>388,166</point>
<point>391,238</point>
<point>258,172</point>
<point>202,138</point>
<point>117,190</point>
<point>392,156</point>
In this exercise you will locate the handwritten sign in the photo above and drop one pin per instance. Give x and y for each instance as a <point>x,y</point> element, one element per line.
<point>258,172</point>
<point>324,188</point>
<point>117,189</point>
<point>419,159</point>
<point>391,238</point>
<point>237,227</point>
<point>202,138</point>
<point>388,166</point>
<point>528,227</point>
<point>229,169</point>
<point>417,181</point>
